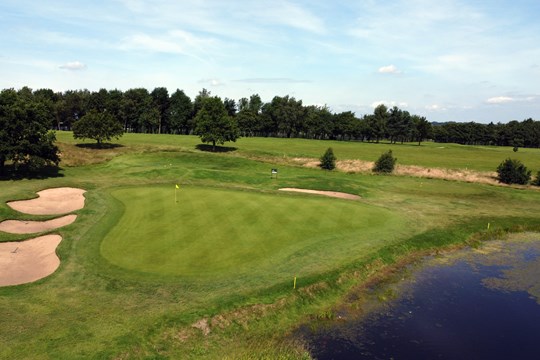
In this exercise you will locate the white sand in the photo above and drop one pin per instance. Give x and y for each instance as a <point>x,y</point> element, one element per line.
<point>51,202</point>
<point>29,227</point>
<point>27,261</point>
<point>335,194</point>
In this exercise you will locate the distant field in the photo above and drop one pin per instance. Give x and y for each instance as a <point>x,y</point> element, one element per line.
<point>143,277</point>
<point>429,154</point>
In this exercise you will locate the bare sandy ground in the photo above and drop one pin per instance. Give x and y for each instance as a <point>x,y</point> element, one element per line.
<point>51,202</point>
<point>335,194</point>
<point>27,261</point>
<point>360,166</point>
<point>29,227</point>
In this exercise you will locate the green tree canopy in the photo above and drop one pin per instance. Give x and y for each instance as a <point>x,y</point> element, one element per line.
<point>328,160</point>
<point>99,126</point>
<point>213,124</point>
<point>181,113</point>
<point>385,163</point>
<point>512,171</point>
<point>25,139</point>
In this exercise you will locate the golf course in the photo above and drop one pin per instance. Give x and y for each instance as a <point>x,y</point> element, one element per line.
<point>184,253</point>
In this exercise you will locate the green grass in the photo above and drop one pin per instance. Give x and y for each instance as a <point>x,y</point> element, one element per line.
<point>215,234</point>
<point>138,269</point>
<point>429,154</point>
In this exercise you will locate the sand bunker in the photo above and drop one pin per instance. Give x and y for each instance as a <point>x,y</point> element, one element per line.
<point>335,194</point>
<point>26,261</point>
<point>29,227</point>
<point>51,202</point>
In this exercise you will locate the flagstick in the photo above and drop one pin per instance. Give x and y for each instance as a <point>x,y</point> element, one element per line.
<point>175,199</point>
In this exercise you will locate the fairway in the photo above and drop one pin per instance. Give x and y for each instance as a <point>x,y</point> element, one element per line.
<point>220,233</point>
<point>155,271</point>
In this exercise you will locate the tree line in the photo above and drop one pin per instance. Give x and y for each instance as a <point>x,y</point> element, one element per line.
<point>514,133</point>
<point>141,111</point>
<point>26,115</point>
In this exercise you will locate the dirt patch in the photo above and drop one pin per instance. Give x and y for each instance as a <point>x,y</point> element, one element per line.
<point>360,166</point>
<point>51,202</point>
<point>29,227</point>
<point>335,194</point>
<point>26,261</point>
<point>448,174</point>
<point>203,326</point>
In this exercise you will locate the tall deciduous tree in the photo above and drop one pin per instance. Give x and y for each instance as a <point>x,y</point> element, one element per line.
<point>25,139</point>
<point>180,113</point>
<point>161,101</point>
<point>422,128</point>
<point>99,126</point>
<point>376,123</point>
<point>230,106</point>
<point>213,124</point>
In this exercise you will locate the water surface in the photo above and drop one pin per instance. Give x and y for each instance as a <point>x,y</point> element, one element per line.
<point>472,304</point>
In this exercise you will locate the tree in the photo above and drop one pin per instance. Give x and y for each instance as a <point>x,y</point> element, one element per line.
<point>181,113</point>
<point>25,139</point>
<point>141,114</point>
<point>328,160</point>
<point>161,101</point>
<point>230,106</point>
<point>287,114</point>
<point>213,124</point>
<point>512,171</point>
<point>99,126</point>
<point>422,128</point>
<point>385,163</point>
<point>376,123</point>
<point>199,99</point>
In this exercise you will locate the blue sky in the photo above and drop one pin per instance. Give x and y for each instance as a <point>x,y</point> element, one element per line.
<point>448,60</point>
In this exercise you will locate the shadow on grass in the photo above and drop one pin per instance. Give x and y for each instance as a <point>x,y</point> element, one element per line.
<point>218,149</point>
<point>99,146</point>
<point>11,173</point>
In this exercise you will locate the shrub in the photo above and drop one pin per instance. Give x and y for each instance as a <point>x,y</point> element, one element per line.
<point>328,160</point>
<point>385,163</point>
<point>536,181</point>
<point>512,171</point>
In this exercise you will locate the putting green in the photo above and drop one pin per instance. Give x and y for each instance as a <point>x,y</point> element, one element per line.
<point>216,232</point>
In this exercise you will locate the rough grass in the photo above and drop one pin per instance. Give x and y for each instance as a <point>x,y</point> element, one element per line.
<point>96,308</point>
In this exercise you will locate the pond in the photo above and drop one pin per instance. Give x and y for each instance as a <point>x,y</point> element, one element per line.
<point>471,304</point>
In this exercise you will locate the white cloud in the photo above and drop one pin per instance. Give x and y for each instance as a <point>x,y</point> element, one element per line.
<point>510,99</point>
<point>212,82</point>
<point>390,69</point>
<point>73,65</point>
<point>435,107</point>
<point>500,100</point>
<point>400,104</point>
<point>173,42</point>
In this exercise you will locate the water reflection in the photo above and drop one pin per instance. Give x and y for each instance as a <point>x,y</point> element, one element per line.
<point>473,304</point>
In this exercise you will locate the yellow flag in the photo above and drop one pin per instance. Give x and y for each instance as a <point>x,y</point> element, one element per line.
<point>178,187</point>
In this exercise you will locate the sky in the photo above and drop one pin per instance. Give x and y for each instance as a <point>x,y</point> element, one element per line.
<point>447,60</point>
